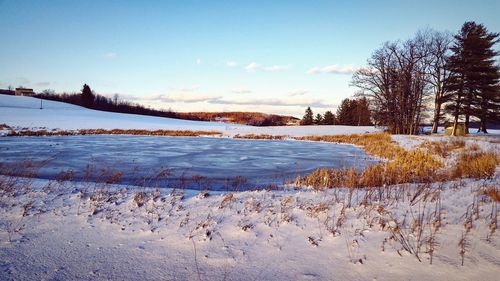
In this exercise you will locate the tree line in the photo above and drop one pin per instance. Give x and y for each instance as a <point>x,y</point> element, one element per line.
<point>89,99</point>
<point>352,112</point>
<point>457,76</point>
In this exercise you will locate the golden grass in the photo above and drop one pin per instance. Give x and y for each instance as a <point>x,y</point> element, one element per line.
<point>475,165</point>
<point>403,166</point>
<point>259,137</point>
<point>174,133</point>
<point>417,165</point>
<point>442,148</point>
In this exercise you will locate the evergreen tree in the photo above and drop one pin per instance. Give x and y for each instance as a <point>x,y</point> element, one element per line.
<point>473,82</point>
<point>363,112</point>
<point>87,96</point>
<point>344,113</point>
<point>318,120</point>
<point>308,117</point>
<point>329,118</point>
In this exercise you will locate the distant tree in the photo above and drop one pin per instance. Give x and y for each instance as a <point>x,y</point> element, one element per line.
<point>48,92</point>
<point>318,120</point>
<point>308,117</point>
<point>116,98</point>
<point>363,114</point>
<point>354,112</point>
<point>329,118</point>
<point>87,96</point>
<point>345,112</point>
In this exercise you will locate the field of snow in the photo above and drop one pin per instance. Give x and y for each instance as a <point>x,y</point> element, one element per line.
<point>24,112</point>
<point>56,230</point>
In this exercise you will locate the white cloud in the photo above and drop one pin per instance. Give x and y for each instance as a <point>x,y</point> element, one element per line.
<point>297,93</point>
<point>276,68</point>
<point>110,56</point>
<point>198,61</point>
<point>251,67</point>
<point>272,102</point>
<point>241,91</point>
<point>191,98</point>
<point>333,69</point>
<point>232,64</point>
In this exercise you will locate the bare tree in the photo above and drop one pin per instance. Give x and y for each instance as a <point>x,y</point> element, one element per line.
<point>396,82</point>
<point>116,98</point>
<point>439,46</point>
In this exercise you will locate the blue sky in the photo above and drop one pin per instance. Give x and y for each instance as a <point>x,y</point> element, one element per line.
<point>270,56</point>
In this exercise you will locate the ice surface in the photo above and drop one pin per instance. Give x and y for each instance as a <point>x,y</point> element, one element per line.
<point>218,160</point>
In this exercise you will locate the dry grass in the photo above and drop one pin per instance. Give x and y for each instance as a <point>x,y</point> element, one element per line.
<point>259,137</point>
<point>493,194</point>
<point>475,165</point>
<point>174,133</point>
<point>403,166</point>
<point>442,148</point>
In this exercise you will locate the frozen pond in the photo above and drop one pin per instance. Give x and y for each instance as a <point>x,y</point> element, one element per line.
<point>184,162</point>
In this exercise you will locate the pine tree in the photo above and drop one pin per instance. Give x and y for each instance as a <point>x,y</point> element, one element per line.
<point>318,120</point>
<point>329,118</point>
<point>87,96</point>
<point>363,112</point>
<point>474,77</point>
<point>308,117</point>
<point>344,113</point>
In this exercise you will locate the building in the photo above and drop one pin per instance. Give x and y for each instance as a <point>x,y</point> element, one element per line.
<point>24,92</point>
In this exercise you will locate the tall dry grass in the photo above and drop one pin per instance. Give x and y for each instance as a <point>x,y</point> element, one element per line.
<point>402,166</point>
<point>475,165</point>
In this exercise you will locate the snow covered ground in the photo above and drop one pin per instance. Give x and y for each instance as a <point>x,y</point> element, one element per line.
<point>66,230</point>
<point>24,112</point>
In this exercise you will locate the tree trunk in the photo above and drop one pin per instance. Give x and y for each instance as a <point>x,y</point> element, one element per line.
<point>437,116</point>
<point>455,124</point>
<point>482,126</point>
<point>467,120</point>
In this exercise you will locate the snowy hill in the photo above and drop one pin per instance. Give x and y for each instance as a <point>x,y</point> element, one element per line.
<point>24,112</point>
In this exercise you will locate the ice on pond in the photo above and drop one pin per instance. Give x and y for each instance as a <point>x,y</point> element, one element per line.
<point>187,162</point>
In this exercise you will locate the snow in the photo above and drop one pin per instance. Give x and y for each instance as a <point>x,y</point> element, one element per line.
<point>254,235</point>
<point>24,112</point>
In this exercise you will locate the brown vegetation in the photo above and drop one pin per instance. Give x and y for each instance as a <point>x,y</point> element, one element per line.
<point>175,133</point>
<point>475,165</point>
<point>403,166</point>
<point>259,137</point>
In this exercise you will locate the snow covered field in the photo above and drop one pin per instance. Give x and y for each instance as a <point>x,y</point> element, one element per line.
<point>24,112</point>
<point>67,230</point>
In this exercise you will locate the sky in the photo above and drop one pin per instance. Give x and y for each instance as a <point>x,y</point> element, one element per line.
<point>267,56</point>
